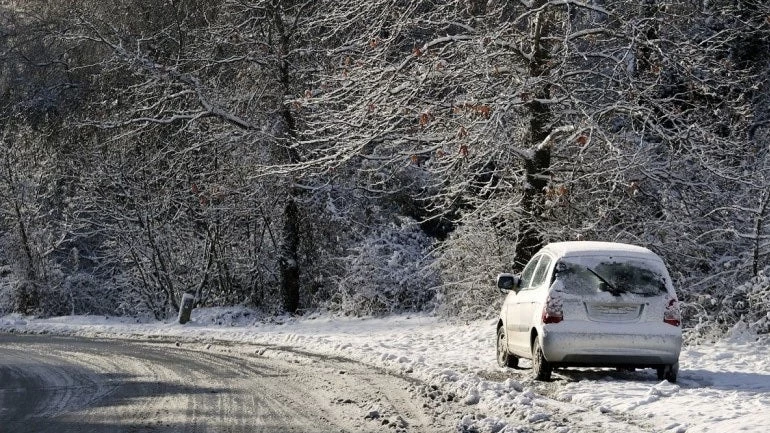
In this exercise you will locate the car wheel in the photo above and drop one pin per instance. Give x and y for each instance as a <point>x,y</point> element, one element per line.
<point>668,372</point>
<point>541,369</point>
<point>504,359</point>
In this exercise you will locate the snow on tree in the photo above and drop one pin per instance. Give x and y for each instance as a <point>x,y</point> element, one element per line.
<point>258,151</point>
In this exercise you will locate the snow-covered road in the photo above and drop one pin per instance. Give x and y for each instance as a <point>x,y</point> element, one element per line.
<point>77,384</point>
<point>723,386</point>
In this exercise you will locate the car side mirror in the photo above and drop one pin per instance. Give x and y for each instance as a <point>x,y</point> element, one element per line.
<point>508,282</point>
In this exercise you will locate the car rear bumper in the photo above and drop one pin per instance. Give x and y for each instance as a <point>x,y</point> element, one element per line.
<point>621,347</point>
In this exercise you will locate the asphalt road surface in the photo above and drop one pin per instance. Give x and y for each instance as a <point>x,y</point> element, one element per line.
<point>64,384</point>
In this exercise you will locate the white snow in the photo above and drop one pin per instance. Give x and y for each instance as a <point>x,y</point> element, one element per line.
<point>723,386</point>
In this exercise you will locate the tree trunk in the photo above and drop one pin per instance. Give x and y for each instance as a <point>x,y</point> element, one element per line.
<point>26,296</point>
<point>288,261</point>
<point>536,167</point>
<point>758,228</point>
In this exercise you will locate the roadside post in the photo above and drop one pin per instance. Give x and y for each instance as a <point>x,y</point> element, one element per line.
<point>185,309</point>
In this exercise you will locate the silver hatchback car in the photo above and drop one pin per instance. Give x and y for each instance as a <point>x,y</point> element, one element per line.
<point>590,304</point>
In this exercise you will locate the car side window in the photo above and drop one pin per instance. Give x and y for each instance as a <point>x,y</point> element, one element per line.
<point>542,272</point>
<point>529,272</point>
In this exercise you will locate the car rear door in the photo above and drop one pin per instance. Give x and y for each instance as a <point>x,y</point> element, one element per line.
<point>529,300</point>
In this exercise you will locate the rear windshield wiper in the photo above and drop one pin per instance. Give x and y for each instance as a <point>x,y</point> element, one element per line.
<point>614,290</point>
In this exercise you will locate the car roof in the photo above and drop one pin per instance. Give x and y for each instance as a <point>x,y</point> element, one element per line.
<point>593,248</point>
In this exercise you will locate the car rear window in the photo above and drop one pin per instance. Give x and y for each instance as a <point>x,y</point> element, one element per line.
<point>591,275</point>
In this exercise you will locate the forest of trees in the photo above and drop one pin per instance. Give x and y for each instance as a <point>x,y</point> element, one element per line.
<point>378,156</point>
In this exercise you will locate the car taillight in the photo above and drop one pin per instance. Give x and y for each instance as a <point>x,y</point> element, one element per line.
<point>552,310</point>
<point>671,315</point>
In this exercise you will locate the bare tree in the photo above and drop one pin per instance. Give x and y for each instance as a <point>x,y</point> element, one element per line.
<point>261,150</point>
<point>540,121</point>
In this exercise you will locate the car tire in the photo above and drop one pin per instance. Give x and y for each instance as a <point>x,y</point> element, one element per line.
<point>668,372</point>
<point>504,359</point>
<point>541,369</point>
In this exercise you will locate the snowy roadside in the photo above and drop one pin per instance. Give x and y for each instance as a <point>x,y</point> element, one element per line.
<point>722,387</point>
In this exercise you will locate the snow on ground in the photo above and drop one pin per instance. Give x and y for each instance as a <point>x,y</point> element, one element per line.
<point>722,387</point>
